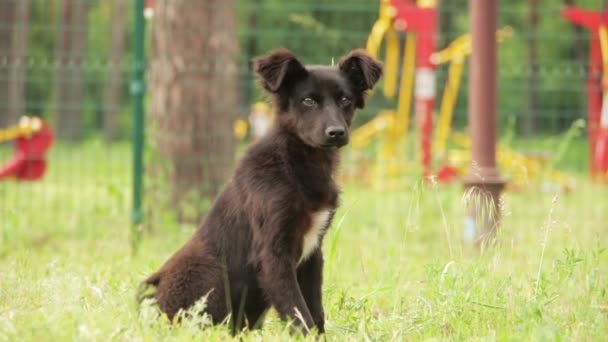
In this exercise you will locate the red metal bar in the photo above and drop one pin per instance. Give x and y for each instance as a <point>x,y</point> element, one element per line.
<point>422,22</point>
<point>591,20</point>
<point>482,97</point>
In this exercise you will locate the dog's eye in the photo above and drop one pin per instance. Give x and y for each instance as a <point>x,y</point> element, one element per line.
<point>308,102</point>
<point>345,101</point>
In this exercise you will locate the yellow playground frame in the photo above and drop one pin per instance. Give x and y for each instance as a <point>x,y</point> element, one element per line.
<point>390,127</point>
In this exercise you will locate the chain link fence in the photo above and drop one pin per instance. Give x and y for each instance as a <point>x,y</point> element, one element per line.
<point>70,63</point>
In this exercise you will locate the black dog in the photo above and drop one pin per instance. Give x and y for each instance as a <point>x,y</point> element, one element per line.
<point>260,244</point>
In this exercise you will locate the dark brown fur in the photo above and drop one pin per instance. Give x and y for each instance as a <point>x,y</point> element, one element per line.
<point>246,254</point>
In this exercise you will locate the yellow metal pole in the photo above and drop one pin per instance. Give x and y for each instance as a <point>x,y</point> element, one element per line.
<point>427,3</point>
<point>383,29</point>
<point>379,28</point>
<point>398,130</point>
<point>603,33</point>
<point>391,63</point>
<point>362,135</point>
<point>406,85</point>
<point>448,104</point>
<point>455,53</point>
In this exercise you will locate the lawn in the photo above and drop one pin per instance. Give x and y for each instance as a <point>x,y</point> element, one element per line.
<point>397,267</point>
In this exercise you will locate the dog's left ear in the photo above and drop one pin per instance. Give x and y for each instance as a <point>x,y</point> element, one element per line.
<point>362,69</point>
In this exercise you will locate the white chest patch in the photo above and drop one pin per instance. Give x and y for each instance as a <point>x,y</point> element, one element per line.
<point>310,242</point>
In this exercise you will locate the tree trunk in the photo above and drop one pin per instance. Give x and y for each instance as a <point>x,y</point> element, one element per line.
<point>194,93</point>
<point>62,48</point>
<point>16,94</point>
<point>6,33</point>
<point>532,51</point>
<point>112,92</point>
<point>69,77</point>
<point>252,43</point>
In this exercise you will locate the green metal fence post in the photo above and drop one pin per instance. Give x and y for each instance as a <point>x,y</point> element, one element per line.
<point>137,92</point>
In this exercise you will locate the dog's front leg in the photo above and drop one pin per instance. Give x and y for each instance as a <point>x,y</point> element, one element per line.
<point>278,280</point>
<point>310,278</point>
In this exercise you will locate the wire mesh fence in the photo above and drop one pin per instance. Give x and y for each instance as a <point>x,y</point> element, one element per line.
<point>70,62</point>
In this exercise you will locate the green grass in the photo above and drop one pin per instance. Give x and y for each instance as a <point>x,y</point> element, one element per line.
<point>395,269</point>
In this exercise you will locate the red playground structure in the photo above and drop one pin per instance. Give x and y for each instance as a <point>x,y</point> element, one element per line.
<point>33,138</point>
<point>597,85</point>
<point>421,19</point>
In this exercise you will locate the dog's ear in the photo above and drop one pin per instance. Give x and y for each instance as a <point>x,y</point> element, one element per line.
<point>278,69</point>
<point>361,69</point>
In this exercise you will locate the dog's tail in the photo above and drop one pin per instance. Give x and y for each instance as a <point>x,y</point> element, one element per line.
<point>147,289</point>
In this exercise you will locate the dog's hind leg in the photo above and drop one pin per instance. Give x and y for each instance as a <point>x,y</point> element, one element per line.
<point>147,289</point>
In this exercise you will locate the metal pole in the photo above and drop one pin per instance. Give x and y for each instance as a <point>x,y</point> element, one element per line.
<point>483,178</point>
<point>137,92</point>
<point>424,91</point>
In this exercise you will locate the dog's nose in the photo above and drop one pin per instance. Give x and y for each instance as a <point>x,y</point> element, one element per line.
<point>334,132</point>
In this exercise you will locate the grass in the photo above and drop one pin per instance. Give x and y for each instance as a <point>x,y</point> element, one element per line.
<point>397,267</point>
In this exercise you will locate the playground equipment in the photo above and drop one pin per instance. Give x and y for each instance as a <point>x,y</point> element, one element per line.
<point>597,86</point>
<point>419,63</point>
<point>33,138</point>
<point>390,127</point>
<point>520,167</point>
<point>600,157</point>
<point>419,21</point>
<point>258,123</point>
<point>149,9</point>
<point>455,54</point>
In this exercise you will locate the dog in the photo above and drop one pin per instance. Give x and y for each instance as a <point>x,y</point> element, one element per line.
<point>260,244</point>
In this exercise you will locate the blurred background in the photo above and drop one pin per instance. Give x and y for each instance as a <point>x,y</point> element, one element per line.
<point>120,120</point>
<point>71,63</point>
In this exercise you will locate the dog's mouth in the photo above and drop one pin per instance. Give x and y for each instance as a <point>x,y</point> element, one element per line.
<point>326,144</point>
<point>333,146</point>
<point>329,147</point>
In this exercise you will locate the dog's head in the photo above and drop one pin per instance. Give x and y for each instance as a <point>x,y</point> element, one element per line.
<point>317,103</point>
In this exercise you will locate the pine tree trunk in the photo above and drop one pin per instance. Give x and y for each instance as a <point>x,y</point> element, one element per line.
<point>16,94</point>
<point>532,82</point>
<point>6,33</point>
<point>69,77</point>
<point>194,93</point>
<point>112,92</point>
<point>62,48</point>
